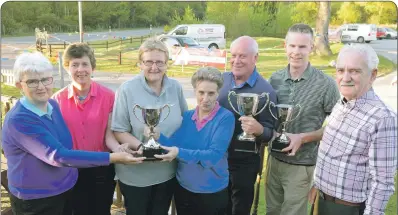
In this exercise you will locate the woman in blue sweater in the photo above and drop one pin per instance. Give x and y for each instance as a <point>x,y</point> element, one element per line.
<point>38,145</point>
<point>200,146</point>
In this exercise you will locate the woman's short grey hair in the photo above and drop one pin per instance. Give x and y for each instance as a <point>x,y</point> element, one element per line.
<point>27,62</point>
<point>367,52</point>
<point>208,73</point>
<point>253,45</point>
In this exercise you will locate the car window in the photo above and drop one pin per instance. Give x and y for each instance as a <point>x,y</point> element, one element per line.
<point>170,41</point>
<point>352,28</point>
<point>181,30</point>
<point>188,41</point>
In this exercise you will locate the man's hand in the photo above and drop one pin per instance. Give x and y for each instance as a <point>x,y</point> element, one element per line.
<point>125,158</point>
<point>312,195</point>
<point>251,126</point>
<point>296,140</point>
<point>171,154</point>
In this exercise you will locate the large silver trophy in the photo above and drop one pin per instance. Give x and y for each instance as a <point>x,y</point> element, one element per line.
<point>285,113</point>
<point>151,117</point>
<point>247,106</point>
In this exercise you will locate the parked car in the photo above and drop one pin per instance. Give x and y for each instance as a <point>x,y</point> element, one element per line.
<point>381,33</point>
<point>212,36</point>
<point>358,33</point>
<point>391,33</point>
<point>175,43</point>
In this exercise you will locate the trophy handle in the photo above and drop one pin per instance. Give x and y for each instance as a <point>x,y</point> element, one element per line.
<point>269,107</point>
<point>229,100</point>
<point>265,104</point>
<point>135,106</point>
<point>299,107</point>
<point>168,106</point>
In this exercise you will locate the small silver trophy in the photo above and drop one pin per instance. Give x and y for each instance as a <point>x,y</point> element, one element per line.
<point>247,106</point>
<point>285,113</point>
<point>151,117</point>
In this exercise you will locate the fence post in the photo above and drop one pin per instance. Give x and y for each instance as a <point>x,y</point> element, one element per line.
<point>60,70</point>
<point>64,45</point>
<point>131,39</point>
<point>50,50</point>
<point>107,45</point>
<point>120,57</point>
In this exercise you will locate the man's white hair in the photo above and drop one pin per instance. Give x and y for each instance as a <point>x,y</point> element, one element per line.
<point>368,53</point>
<point>30,62</point>
<point>253,47</point>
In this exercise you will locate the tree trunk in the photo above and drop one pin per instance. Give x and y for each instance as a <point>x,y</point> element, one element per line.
<point>322,47</point>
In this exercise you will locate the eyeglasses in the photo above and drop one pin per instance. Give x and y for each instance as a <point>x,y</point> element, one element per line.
<point>34,83</point>
<point>150,63</point>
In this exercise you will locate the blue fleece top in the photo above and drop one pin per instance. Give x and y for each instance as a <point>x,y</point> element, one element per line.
<point>38,146</point>
<point>202,158</point>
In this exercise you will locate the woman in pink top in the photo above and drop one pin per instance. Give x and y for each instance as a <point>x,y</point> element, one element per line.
<point>86,107</point>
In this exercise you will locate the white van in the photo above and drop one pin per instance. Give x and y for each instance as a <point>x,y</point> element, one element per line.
<point>208,35</point>
<point>358,33</point>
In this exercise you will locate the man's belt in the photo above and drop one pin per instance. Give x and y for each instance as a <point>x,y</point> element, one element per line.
<point>337,200</point>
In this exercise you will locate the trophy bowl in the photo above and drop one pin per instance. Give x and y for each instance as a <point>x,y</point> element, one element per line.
<point>285,112</point>
<point>151,117</point>
<point>247,106</point>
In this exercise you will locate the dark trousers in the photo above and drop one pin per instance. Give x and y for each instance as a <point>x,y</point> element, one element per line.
<point>93,192</point>
<point>189,203</point>
<point>242,177</point>
<point>151,200</point>
<point>54,205</point>
<point>331,208</point>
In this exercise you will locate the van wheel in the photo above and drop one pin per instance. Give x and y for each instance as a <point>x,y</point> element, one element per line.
<point>213,46</point>
<point>360,40</point>
<point>388,36</point>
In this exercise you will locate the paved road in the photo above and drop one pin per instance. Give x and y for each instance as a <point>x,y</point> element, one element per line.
<point>387,48</point>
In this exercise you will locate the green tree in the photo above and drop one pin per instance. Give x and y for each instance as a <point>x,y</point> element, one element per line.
<point>350,12</point>
<point>305,12</point>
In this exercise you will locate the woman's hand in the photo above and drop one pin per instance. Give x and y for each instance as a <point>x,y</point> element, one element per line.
<point>125,147</point>
<point>172,153</point>
<point>125,158</point>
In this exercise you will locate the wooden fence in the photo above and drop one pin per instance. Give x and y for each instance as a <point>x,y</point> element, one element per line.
<point>7,77</point>
<point>56,47</point>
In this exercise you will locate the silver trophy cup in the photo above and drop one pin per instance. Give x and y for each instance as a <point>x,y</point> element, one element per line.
<point>247,106</point>
<point>285,114</point>
<point>151,117</point>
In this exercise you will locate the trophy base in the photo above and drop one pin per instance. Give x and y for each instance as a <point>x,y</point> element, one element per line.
<point>149,153</point>
<point>245,146</point>
<point>247,137</point>
<point>278,145</point>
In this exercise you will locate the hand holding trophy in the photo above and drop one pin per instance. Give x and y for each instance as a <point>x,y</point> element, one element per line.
<point>151,117</point>
<point>247,106</point>
<point>285,113</point>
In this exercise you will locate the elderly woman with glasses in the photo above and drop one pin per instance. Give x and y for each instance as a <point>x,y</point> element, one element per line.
<point>38,145</point>
<point>200,146</point>
<point>147,188</point>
